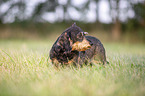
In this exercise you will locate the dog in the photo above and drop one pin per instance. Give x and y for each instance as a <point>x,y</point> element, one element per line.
<point>73,46</point>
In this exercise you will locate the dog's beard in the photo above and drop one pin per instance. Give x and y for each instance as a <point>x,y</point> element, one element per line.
<point>81,46</point>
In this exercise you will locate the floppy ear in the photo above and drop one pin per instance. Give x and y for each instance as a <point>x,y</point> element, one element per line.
<point>80,35</point>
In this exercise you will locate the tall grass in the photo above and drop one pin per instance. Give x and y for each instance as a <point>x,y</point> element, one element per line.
<point>25,70</point>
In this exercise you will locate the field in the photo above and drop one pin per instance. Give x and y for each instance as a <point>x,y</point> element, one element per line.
<point>25,70</point>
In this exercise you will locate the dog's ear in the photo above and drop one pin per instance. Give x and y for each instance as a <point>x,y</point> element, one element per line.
<point>80,35</point>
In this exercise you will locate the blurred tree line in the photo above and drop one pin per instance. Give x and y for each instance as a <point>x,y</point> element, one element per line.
<point>18,11</point>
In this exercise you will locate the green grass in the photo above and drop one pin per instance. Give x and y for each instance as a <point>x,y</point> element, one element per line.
<point>25,70</point>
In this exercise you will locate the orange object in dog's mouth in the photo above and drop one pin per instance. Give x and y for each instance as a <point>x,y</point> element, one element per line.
<point>81,46</point>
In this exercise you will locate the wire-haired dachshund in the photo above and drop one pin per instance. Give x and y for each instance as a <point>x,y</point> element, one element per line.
<point>73,46</point>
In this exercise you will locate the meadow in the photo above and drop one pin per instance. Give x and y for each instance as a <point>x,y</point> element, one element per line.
<point>25,70</point>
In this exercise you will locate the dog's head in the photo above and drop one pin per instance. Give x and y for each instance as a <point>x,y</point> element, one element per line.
<point>77,38</point>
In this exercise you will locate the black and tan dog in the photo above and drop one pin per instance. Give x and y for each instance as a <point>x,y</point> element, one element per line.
<point>72,46</point>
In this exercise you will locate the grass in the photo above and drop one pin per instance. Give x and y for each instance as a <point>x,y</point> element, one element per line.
<point>25,70</point>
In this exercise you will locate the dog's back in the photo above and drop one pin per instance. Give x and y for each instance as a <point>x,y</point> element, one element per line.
<point>96,52</point>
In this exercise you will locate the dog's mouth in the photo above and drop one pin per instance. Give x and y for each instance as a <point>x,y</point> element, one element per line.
<point>81,46</point>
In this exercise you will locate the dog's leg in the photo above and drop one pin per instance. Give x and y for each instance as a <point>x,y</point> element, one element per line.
<point>82,58</point>
<point>103,58</point>
<point>75,59</point>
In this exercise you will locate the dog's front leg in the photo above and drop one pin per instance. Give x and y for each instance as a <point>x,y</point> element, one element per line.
<point>81,59</point>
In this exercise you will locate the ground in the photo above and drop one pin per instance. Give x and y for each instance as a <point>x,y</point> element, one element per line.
<point>25,70</point>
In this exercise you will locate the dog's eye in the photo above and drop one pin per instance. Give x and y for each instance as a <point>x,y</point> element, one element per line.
<point>80,35</point>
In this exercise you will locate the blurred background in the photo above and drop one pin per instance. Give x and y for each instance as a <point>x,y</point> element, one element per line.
<point>108,20</point>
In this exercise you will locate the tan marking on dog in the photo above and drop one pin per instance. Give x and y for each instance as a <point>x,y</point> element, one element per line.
<point>81,46</point>
<point>69,62</point>
<point>55,62</point>
<point>96,61</point>
<point>70,42</point>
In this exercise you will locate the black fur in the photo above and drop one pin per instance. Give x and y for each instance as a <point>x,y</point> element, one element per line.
<point>96,52</point>
<point>62,48</point>
<point>62,52</point>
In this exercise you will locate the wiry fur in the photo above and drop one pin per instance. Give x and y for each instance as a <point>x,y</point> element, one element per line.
<point>95,53</point>
<point>67,46</point>
<point>73,46</point>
